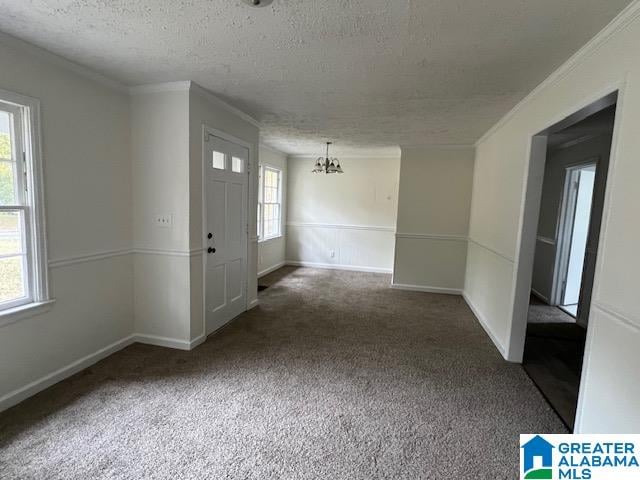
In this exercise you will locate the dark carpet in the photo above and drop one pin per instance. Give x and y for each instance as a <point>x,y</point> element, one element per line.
<point>333,376</point>
<point>553,356</point>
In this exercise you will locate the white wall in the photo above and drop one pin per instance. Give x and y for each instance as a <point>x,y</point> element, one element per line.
<point>87,182</point>
<point>272,252</point>
<point>160,165</point>
<point>610,395</point>
<point>351,216</point>
<point>433,218</point>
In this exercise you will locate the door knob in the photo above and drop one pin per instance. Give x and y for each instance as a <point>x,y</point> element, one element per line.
<point>210,236</point>
<point>211,250</point>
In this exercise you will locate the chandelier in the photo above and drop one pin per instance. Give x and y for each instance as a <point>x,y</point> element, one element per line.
<point>327,165</point>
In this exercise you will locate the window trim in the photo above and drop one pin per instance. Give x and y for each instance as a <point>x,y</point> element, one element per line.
<point>261,170</point>
<point>35,240</point>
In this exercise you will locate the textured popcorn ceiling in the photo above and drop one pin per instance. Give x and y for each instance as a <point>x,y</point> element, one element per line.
<point>368,74</point>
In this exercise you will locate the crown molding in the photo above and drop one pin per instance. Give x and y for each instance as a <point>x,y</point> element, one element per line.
<point>624,18</point>
<point>435,146</point>
<point>306,156</point>
<point>221,103</point>
<point>62,62</point>
<point>180,86</point>
<point>190,85</point>
<point>272,149</point>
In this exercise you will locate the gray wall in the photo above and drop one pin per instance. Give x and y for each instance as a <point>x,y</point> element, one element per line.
<point>433,218</point>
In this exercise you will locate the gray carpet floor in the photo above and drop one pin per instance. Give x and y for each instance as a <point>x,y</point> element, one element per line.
<point>333,376</point>
<point>540,312</point>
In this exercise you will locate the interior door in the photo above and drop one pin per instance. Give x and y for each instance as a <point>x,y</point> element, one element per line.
<point>226,232</point>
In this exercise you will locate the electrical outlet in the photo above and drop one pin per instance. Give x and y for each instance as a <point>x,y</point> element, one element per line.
<point>332,253</point>
<point>164,220</point>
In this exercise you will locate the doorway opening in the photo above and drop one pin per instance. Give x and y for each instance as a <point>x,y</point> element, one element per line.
<point>569,216</point>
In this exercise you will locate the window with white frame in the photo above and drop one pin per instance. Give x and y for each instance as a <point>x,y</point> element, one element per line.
<point>269,202</point>
<point>23,270</point>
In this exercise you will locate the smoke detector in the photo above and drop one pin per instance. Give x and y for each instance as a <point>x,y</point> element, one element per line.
<point>258,3</point>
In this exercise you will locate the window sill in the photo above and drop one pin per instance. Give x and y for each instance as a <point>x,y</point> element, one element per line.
<point>264,240</point>
<point>15,314</point>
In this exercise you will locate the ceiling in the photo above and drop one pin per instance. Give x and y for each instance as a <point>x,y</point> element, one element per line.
<point>367,74</point>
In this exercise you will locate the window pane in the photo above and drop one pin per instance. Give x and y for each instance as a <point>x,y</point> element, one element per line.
<point>237,164</point>
<point>271,220</point>
<point>218,160</point>
<point>259,219</point>
<point>5,135</point>
<point>10,233</point>
<point>7,183</point>
<point>276,220</point>
<point>11,279</point>
<point>271,179</point>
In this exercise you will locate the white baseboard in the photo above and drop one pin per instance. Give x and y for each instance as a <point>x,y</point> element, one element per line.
<point>331,266</point>
<point>197,341</point>
<point>162,341</point>
<point>540,296</point>
<point>421,288</point>
<point>22,393</point>
<point>483,321</point>
<point>253,303</point>
<point>267,271</point>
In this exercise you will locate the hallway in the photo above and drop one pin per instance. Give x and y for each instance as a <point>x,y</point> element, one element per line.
<point>333,375</point>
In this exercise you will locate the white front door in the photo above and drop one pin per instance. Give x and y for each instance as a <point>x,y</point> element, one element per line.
<point>226,183</point>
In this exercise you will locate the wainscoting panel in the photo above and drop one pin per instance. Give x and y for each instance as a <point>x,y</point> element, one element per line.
<point>609,390</point>
<point>363,247</point>
<point>488,291</point>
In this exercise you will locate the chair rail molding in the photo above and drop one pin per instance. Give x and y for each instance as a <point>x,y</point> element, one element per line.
<point>374,228</point>
<point>432,236</point>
